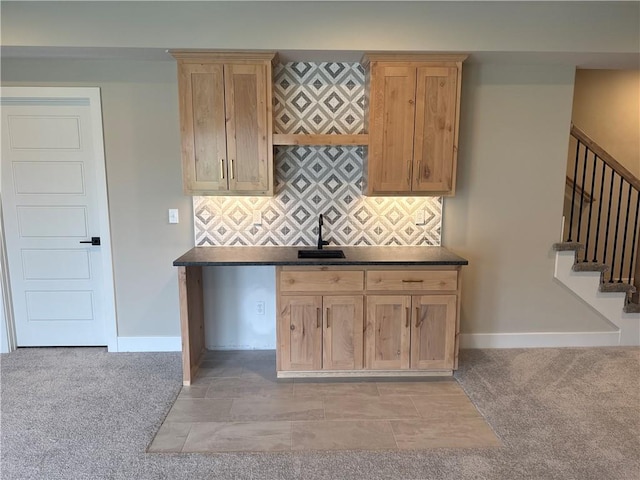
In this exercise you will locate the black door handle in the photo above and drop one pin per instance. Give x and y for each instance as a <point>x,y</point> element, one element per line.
<point>93,241</point>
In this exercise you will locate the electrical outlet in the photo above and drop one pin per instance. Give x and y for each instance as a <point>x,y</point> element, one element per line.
<point>419,217</point>
<point>260,308</point>
<point>173,215</point>
<point>257,217</point>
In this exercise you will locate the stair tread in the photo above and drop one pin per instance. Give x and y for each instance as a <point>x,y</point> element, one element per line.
<point>590,267</point>
<point>632,307</point>
<point>567,246</point>
<point>617,287</point>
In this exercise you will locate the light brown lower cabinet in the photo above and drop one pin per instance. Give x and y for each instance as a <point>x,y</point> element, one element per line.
<point>433,332</point>
<point>300,325</point>
<point>416,332</point>
<point>321,332</point>
<point>386,321</point>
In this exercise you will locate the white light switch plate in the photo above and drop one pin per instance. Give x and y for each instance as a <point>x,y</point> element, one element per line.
<point>419,217</point>
<point>173,215</point>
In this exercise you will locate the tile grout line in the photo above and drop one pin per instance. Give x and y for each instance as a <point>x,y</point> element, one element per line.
<point>393,433</point>
<point>416,408</point>
<point>186,437</point>
<point>290,436</point>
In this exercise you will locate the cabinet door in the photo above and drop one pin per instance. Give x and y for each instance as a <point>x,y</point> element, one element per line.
<point>343,336</point>
<point>387,332</point>
<point>433,332</point>
<point>391,125</point>
<point>300,325</point>
<point>435,130</point>
<point>247,136</point>
<point>202,123</point>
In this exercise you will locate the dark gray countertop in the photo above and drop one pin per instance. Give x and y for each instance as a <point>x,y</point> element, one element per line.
<point>212,256</point>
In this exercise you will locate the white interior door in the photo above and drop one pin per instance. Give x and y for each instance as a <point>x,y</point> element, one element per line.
<point>54,202</point>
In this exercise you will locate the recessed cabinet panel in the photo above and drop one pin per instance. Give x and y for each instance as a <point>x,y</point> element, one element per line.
<point>387,332</point>
<point>393,113</point>
<point>203,127</point>
<point>321,281</point>
<point>247,126</point>
<point>435,132</point>
<point>433,332</point>
<point>342,338</point>
<point>301,333</point>
<point>432,280</point>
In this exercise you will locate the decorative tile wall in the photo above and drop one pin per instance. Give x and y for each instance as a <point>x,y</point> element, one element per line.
<point>317,98</point>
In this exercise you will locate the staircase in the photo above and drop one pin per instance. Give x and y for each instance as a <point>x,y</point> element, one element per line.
<point>598,257</point>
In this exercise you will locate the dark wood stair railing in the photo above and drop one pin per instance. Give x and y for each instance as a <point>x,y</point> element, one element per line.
<point>607,227</point>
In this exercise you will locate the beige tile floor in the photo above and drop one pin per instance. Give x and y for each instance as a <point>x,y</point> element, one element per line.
<point>237,404</point>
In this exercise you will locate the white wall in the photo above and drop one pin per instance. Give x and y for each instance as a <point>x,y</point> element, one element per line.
<point>231,293</point>
<point>513,144</point>
<point>142,152</point>
<point>606,106</point>
<point>507,212</point>
<point>435,26</point>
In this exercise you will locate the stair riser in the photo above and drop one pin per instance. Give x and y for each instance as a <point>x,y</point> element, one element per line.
<point>608,304</point>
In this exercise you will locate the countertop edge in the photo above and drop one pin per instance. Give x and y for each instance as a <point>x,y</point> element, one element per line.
<point>286,256</point>
<point>320,263</point>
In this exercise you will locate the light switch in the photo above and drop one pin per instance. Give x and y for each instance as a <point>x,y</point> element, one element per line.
<point>173,215</point>
<point>257,217</point>
<point>419,217</point>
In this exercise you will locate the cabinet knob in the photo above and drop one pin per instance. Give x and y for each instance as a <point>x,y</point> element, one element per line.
<point>292,327</point>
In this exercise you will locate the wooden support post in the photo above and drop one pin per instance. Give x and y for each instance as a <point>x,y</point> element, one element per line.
<point>191,320</point>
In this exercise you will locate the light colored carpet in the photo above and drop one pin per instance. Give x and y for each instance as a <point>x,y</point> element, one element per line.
<point>82,413</point>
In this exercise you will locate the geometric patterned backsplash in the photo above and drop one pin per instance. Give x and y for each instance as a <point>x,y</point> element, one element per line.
<point>317,98</point>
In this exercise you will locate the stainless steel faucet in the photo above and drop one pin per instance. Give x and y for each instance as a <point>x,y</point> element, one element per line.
<point>321,242</point>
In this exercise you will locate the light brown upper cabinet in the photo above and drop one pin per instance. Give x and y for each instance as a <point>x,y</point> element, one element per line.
<point>412,113</point>
<point>226,122</point>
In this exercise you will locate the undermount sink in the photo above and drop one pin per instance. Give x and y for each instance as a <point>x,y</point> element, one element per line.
<point>320,254</point>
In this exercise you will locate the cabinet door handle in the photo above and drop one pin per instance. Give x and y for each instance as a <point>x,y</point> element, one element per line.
<point>408,319</point>
<point>412,281</point>
<point>222,168</point>
<point>232,170</point>
<point>418,319</point>
<point>319,318</point>
<point>328,317</point>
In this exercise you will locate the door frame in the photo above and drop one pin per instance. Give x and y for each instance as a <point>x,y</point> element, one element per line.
<point>92,94</point>
<point>7,330</point>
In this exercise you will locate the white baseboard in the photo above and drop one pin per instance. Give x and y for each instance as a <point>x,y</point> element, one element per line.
<point>467,340</point>
<point>539,339</point>
<point>149,344</point>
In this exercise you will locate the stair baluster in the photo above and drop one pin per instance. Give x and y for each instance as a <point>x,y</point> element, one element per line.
<point>613,229</point>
